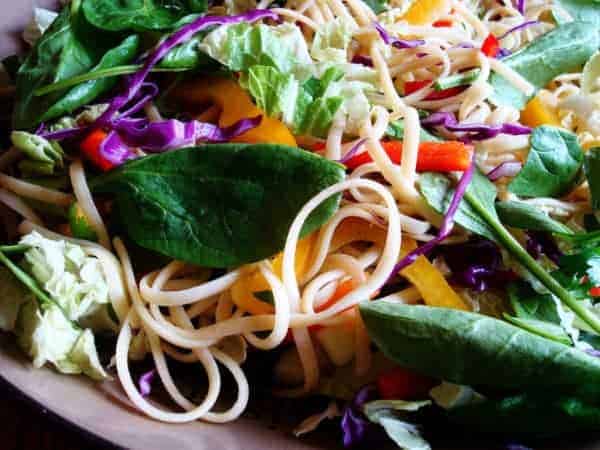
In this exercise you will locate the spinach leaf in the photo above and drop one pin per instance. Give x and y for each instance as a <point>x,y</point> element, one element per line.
<point>552,166</point>
<point>436,188</point>
<point>70,47</point>
<point>11,65</point>
<point>220,205</point>
<point>539,415</point>
<point>528,217</point>
<point>140,15</point>
<point>591,166</point>
<point>378,6</point>
<point>476,350</point>
<point>84,93</point>
<point>564,49</point>
<point>582,10</point>
<point>535,313</point>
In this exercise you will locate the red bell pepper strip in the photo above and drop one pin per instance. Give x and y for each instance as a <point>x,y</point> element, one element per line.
<point>595,291</point>
<point>404,384</point>
<point>442,23</point>
<point>413,86</point>
<point>490,46</point>
<point>90,147</point>
<point>446,156</point>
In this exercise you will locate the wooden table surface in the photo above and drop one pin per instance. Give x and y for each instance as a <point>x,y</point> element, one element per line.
<point>24,426</point>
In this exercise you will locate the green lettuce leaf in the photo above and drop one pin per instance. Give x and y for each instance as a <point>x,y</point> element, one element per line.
<point>12,296</point>
<point>73,279</point>
<point>330,43</point>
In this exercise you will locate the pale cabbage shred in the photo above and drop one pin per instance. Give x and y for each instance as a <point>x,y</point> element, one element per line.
<point>50,334</point>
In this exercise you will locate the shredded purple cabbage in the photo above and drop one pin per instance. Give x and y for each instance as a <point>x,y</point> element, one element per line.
<point>395,42</point>
<point>475,131</point>
<point>521,6</point>
<point>503,53</point>
<point>362,59</point>
<point>350,153</point>
<point>356,429</point>
<point>592,352</point>
<point>476,264</point>
<point>152,92</point>
<point>521,26</point>
<point>145,383</point>
<point>61,135</point>
<point>540,243</point>
<point>505,169</point>
<point>515,446</point>
<point>447,223</point>
<point>172,134</point>
<point>115,151</point>
<point>135,82</point>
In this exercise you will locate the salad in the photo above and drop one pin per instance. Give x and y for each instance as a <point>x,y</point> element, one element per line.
<point>397,201</point>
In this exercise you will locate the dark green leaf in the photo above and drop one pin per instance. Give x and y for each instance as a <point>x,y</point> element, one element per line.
<point>187,56</point>
<point>436,188</point>
<point>140,15</point>
<point>553,164</point>
<point>11,65</point>
<point>265,296</point>
<point>547,330</point>
<point>592,172</point>
<point>220,205</point>
<point>541,415</point>
<point>378,6</point>
<point>69,47</point>
<point>476,350</point>
<point>562,50</point>
<point>528,217</point>
<point>86,92</point>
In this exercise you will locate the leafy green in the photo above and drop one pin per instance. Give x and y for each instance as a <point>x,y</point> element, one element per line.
<point>80,225</point>
<point>591,166</point>
<point>219,205</point>
<point>527,217</point>
<point>43,157</point>
<point>582,10</point>
<point>436,188</point>
<point>562,50</point>
<point>331,41</point>
<point>140,15</point>
<point>476,350</point>
<point>70,47</point>
<point>388,414</point>
<point>553,164</point>
<point>12,296</point>
<point>378,6</point>
<point>459,79</point>
<point>85,93</point>
<point>11,65</point>
<point>541,415</point>
<point>241,46</point>
<point>396,130</point>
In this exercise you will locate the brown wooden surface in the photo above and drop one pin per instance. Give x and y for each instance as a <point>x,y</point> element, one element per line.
<point>24,426</point>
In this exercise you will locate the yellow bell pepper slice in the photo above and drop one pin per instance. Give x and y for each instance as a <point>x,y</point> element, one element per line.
<point>242,291</point>
<point>430,282</point>
<point>354,229</point>
<point>424,12</point>
<point>536,113</point>
<point>235,104</point>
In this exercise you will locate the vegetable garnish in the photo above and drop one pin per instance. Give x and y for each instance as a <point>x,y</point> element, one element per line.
<point>434,255</point>
<point>396,42</point>
<point>446,156</point>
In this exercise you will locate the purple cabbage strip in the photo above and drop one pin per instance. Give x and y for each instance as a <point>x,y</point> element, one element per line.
<point>171,134</point>
<point>539,243</point>
<point>115,151</point>
<point>394,42</point>
<point>357,430</point>
<point>350,153</point>
<point>506,169</point>
<point>447,223</point>
<point>521,6</point>
<point>134,82</point>
<point>516,446</point>
<point>476,264</point>
<point>153,92</point>
<point>479,131</point>
<point>503,53</point>
<point>362,59</point>
<point>145,382</point>
<point>593,352</point>
<point>525,24</point>
<point>67,133</point>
